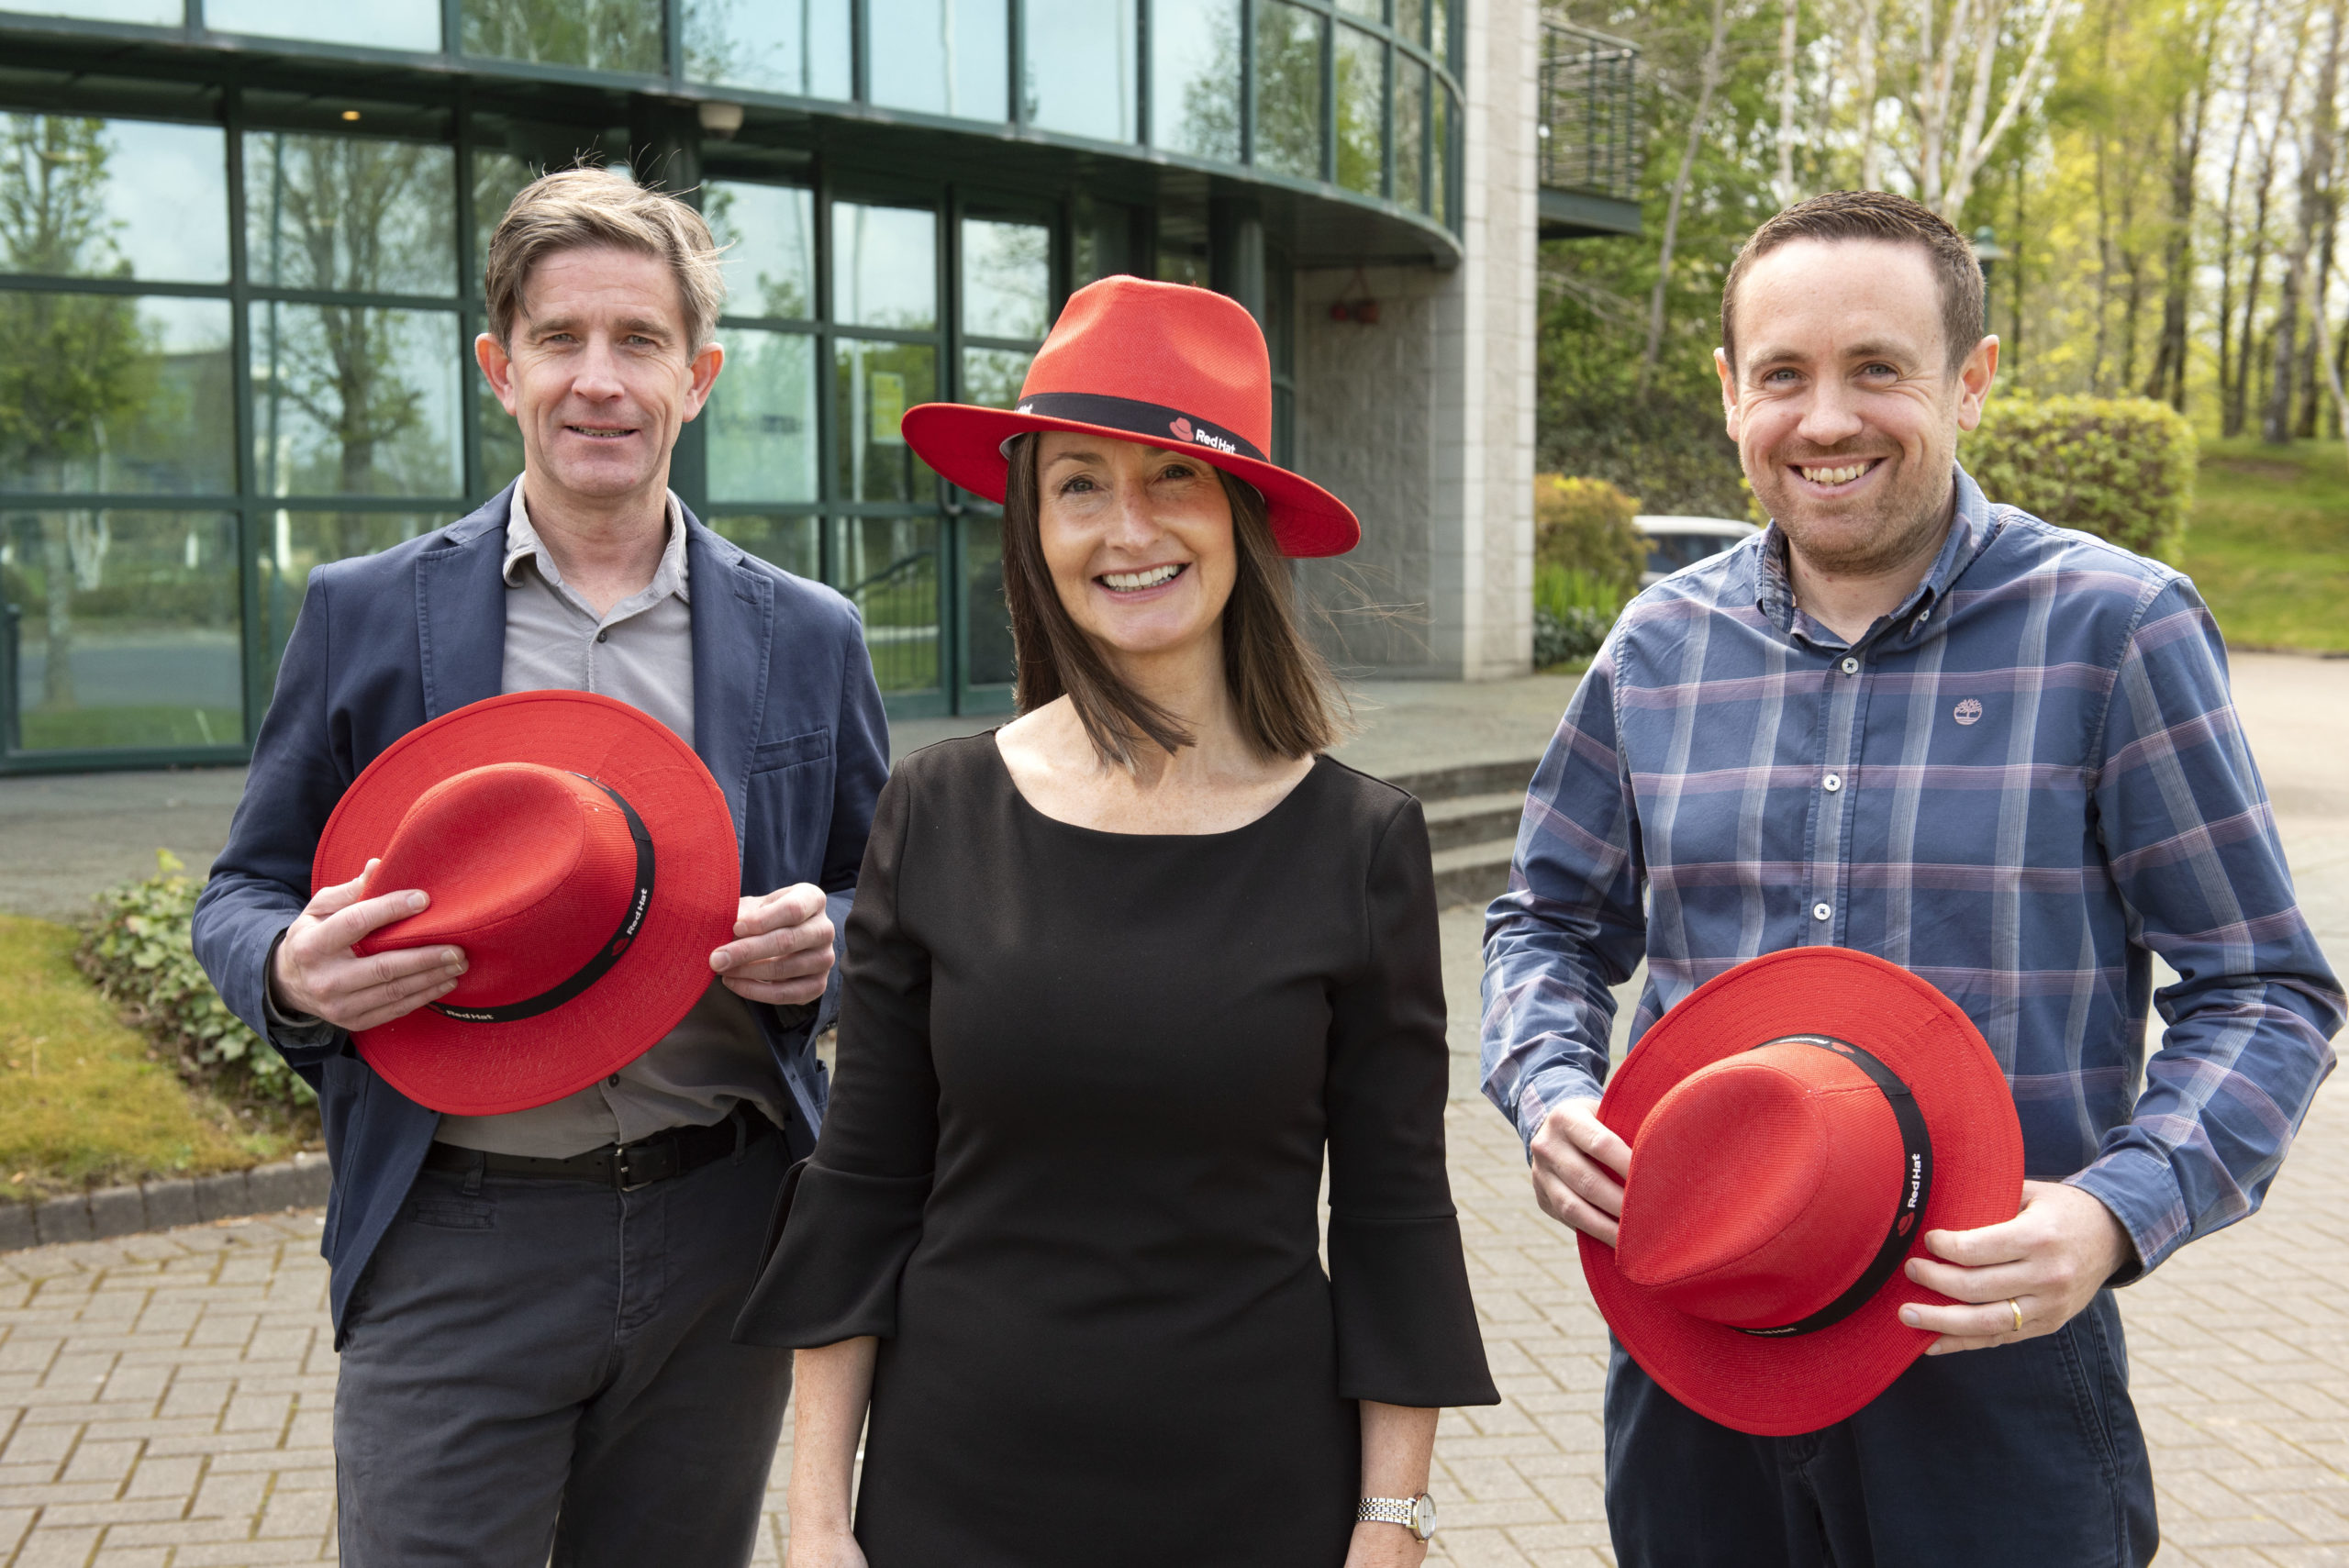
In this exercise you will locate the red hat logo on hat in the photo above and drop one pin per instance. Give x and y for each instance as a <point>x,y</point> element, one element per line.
<point>1182,428</point>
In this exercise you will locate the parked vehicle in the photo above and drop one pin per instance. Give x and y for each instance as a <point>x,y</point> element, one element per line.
<point>1676,542</point>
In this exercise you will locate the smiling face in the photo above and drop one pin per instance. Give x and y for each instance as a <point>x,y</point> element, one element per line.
<point>1842,404</point>
<point>1138,540</point>
<point>600,374</point>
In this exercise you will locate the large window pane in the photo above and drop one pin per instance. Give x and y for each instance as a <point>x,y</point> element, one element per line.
<point>875,383</point>
<point>604,35</point>
<point>292,542</point>
<point>888,566</point>
<point>1195,81</point>
<point>113,198</point>
<point>352,400</point>
<point>107,393</point>
<point>1440,30</point>
<point>885,266</point>
<point>762,417</point>
<point>792,543</point>
<point>941,57</point>
<point>1079,74</point>
<point>768,233</point>
<point>993,376</point>
<point>378,24</point>
<point>772,46</point>
<point>500,442</point>
<point>1288,89</point>
<point>1104,240</point>
<point>1411,124</point>
<point>1006,279</point>
<point>987,618</point>
<point>1361,111</point>
<point>1411,21</point>
<point>349,213</point>
<point>163,13</point>
<point>119,628</point>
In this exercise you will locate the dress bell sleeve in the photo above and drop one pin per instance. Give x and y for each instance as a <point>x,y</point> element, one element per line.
<point>1398,1279</point>
<point>851,1214</point>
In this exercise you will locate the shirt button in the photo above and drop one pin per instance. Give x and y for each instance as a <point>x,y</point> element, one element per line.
<point>603,636</point>
<point>1831,783</point>
<point>1850,666</point>
<point>1820,911</point>
<point>614,1081</point>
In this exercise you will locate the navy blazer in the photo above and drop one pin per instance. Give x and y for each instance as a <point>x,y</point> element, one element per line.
<point>785,715</point>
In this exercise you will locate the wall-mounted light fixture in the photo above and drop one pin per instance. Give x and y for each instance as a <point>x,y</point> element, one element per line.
<point>720,120</point>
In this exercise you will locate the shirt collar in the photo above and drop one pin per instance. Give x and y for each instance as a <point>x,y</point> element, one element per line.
<point>522,543</point>
<point>1970,529</point>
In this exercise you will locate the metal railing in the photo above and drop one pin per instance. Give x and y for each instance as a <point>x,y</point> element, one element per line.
<point>1589,128</point>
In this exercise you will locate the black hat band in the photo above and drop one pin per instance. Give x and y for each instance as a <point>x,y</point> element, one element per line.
<point>1152,422</point>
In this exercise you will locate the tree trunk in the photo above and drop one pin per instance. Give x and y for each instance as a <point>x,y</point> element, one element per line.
<point>1787,40</point>
<point>1709,80</point>
<point>2228,370</point>
<point>2168,381</point>
<point>2316,173</point>
<point>1870,148</point>
<point>2238,411</point>
<point>2318,344</point>
<point>57,569</point>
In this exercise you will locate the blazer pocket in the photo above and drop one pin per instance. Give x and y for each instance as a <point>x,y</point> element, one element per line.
<point>769,755</point>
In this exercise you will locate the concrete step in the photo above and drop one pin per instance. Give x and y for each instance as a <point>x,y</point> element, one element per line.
<point>1473,873</point>
<point>1462,779</point>
<point>1473,819</point>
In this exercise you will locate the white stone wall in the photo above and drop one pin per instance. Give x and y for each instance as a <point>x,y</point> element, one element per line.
<point>1424,421</point>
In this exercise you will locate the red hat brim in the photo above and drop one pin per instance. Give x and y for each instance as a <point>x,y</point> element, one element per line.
<point>1775,1388</point>
<point>487,1069</point>
<point>964,442</point>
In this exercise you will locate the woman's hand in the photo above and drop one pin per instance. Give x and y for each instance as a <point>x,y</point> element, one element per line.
<point>824,1549</point>
<point>1374,1545</point>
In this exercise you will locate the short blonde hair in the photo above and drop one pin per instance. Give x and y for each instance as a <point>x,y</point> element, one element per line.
<point>577,207</point>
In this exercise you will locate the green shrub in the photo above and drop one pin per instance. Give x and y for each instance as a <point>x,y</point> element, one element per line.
<point>2121,468</point>
<point>1559,638</point>
<point>1585,525</point>
<point>1563,589</point>
<point>139,954</point>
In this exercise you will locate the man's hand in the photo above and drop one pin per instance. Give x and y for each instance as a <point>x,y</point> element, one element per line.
<point>783,949</point>
<point>316,972</point>
<point>1579,1169</point>
<point>2049,1260</point>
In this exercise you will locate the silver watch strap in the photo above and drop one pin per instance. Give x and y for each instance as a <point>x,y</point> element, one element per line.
<point>1388,1511</point>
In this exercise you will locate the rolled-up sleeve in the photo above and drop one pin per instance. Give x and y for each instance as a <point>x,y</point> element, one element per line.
<point>2185,827</point>
<point>852,1212</point>
<point>1406,1322</point>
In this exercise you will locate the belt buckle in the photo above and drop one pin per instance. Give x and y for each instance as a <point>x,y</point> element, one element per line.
<point>624,1156</point>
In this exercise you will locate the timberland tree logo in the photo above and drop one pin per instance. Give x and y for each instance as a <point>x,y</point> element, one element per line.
<point>1968,712</point>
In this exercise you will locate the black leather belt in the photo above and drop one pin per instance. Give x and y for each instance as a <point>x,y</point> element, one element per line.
<point>624,1167</point>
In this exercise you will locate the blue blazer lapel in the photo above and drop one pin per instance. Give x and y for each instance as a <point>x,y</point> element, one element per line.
<point>460,611</point>
<point>733,622</point>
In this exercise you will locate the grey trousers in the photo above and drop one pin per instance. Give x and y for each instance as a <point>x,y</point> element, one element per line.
<point>540,1367</point>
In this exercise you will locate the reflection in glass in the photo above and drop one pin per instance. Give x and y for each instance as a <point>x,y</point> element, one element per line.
<point>1195,81</point>
<point>1372,10</point>
<point>1411,21</point>
<point>111,393</point>
<point>875,383</point>
<point>888,566</point>
<point>1288,89</point>
<point>1410,122</point>
<point>941,57</point>
<point>292,542</point>
<point>119,628</point>
<point>762,417</point>
<point>379,24</point>
<point>90,199</point>
<point>1361,111</point>
<point>352,400</point>
<point>800,47</point>
<point>768,234</point>
<point>163,13</point>
<point>992,377</point>
<point>792,543</point>
<point>498,178</point>
<point>1079,74</point>
<point>986,620</point>
<point>1447,114</point>
<point>885,266</point>
<point>500,442</point>
<point>1103,233</point>
<point>603,35</point>
<point>349,213</point>
<point>1440,30</point>
<point>1006,279</point>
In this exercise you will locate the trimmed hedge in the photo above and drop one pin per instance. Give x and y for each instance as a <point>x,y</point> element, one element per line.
<point>2121,468</point>
<point>1585,525</point>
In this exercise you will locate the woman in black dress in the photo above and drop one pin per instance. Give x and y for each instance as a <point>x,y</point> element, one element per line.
<point>1117,975</point>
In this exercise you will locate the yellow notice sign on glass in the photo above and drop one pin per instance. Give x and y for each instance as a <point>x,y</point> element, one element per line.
<point>888,395</point>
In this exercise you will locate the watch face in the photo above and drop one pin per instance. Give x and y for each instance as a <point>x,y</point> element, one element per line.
<point>1423,1515</point>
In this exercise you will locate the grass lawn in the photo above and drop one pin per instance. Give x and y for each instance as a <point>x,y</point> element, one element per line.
<point>84,1100</point>
<point>2269,545</point>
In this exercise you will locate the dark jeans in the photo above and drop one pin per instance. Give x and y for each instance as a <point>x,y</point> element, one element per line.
<point>2028,1454</point>
<point>542,1365</point>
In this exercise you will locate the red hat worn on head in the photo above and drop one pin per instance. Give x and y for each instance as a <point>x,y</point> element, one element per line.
<point>1797,1125</point>
<point>1163,364</point>
<point>583,858</point>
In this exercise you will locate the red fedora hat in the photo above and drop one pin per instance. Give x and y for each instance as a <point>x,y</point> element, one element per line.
<point>1162,363</point>
<point>1797,1125</point>
<point>583,858</point>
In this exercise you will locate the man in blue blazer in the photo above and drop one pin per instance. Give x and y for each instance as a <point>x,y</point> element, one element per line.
<point>534,1310</point>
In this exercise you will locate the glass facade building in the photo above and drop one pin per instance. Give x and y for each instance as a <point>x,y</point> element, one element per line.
<point>241,250</point>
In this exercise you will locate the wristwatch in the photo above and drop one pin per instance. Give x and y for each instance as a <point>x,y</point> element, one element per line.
<point>1414,1514</point>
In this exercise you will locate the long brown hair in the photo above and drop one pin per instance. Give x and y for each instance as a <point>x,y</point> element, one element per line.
<point>1285,700</point>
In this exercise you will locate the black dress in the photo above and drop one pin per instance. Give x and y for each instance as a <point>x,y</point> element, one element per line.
<point>1070,1174</point>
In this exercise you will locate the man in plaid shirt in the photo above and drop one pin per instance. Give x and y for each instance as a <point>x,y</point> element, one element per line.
<point>1907,720</point>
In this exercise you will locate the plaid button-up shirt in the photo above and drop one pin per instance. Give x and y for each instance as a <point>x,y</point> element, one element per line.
<point>2020,786</point>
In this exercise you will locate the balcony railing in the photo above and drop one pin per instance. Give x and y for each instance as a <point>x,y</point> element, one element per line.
<point>1591,136</point>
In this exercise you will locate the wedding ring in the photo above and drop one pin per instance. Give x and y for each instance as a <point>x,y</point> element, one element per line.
<point>2018,1307</point>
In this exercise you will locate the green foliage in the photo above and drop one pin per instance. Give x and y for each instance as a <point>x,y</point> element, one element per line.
<point>2120,468</point>
<point>140,955</point>
<point>2270,546</point>
<point>1564,638</point>
<point>1585,526</point>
